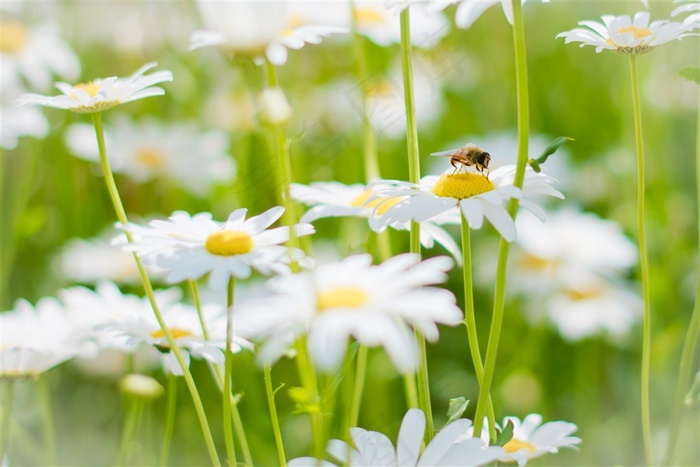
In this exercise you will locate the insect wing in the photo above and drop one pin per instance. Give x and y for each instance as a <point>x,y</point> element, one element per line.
<point>444,153</point>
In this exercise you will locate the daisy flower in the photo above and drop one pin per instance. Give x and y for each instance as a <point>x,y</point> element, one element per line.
<point>103,94</point>
<point>334,199</point>
<point>35,338</point>
<point>151,149</point>
<point>475,195</point>
<point>532,439</point>
<point>628,36</point>
<point>376,304</point>
<point>16,122</point>
<point>469,11</point>
<point>255,29</point>
<point>692,5</point>
<point>187,247</point>
<point>371,448</point>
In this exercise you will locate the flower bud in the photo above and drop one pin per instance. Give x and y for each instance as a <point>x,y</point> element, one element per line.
<point>274,108</point>
<point>141,386</point>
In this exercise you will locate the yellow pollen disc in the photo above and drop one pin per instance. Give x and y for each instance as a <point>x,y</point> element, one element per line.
<point>515,445</point>
<point>368,16</point>
<point>13,36</point>
<point>176,332</point>
<point>384,203</point>
<point>150,157</point>
<point>89,87</point>
<point>529,261</point>
<point>340,297</point>
<point>462,185</point>
<point>584,294</point>
<point>638,32</point>
<point>229,243</point>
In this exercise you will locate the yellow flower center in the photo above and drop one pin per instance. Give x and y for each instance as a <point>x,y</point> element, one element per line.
<point>368,16</point>
<point>462,185</point>
<point>229,243</point>
<point>584,294</point>
<point>638,32</point>
<point>384,202</point>
<point>515,445</point>
<point>529,261</point>
<point>90,87</point>
<point>340,297</point>
<point>13,36</point>
<point>150,157</point>
<point>176,332</point>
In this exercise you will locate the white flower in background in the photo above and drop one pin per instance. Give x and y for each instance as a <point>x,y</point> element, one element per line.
<point>16,122</point>
<point>255,29</point>
<point>475,195</point>
<point>376,304</point>
<point>102,94</point>
<point>34,55</point>
<point>469,11</point>
<point>532,439</point>
<point>334,199</point>
<point>151,149</point>
<point>628,36</point>
<point>187,247</point>
<point>35,338</point>
<point>371,448</point>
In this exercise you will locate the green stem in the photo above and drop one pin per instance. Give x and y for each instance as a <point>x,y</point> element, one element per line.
<point>47,419</point>
<point>273,416</point>
<point>169,419</point>
<point>307,373</point>
<point>523,101</point>
<point>644,264</point>
<point>7,399</point>
<point>470,318</point>
<point>228,367</point>
<point>131,424</point>
<point>358,387</point>
<point>194,291</point>
<point>409,385</point>
<point>121,216</point>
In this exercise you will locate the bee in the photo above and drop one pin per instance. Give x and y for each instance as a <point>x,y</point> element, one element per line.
<point>467,156</point>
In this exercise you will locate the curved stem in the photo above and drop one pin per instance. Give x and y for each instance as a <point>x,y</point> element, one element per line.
<point>470,319</point>
<point>7,400</point>
<point>358,387</point>
<point>121,216</point>
<point>169,419</point>
<point>47,419</point>
<point>504,247</point>
<point>228,367</point>
<point>644,264</point>
<point>273,416</point>
<point>131,424</point>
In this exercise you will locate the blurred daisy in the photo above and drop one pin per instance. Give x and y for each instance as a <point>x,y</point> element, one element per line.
<point>103,94</point>
<point>255,29</point>
<point>334,199</point>
<point>35,338</point>
<point>692,5</point>
<point>532,439</point>
<point>375,304</point>
<point>187,247</point>
<point>469,11</point>
<point>475,195</point>
<point>371,448</point>
<point>150,149</point>
<point>628,36</point>
<point>16,122</point>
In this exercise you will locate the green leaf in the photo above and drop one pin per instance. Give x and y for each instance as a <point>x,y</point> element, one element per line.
<point>552,148</point>
<point>691,73</point>
<point>456,409</point>
<point>506,434</point>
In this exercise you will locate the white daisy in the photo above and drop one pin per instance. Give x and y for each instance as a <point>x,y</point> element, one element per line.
<point>532,439</point>
<point>627,36</point>
<point>334,199</point>
<point>151,149</point>
<point>375,304</point>
<point>469,11</point>
<point>474,194</point>
<point>256,29</point>
<point>371,448</point>
<point>693,5</point>
<point>187,247</point>
<point>35,338</point>
<point>103,94</point>
<point>16,122</point>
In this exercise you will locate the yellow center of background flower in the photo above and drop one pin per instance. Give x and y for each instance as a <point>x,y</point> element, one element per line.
<point>176,332</point>
<point>340,297</point>
<point>89,87</point>
<point>462,185</point>
<point>384,203</point>
<point>229,243</point>
<point>638,32</point>
<point>584,293</point>
<point>515,445</point>
<point>150,157</point>
<point>368,16</point>
<point>13,36</point>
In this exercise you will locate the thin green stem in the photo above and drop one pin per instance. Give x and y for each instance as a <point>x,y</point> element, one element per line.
<point>644,265</point>
<point>523,102</point>
<point>7,399</point>
<point>131,424</point>
<point>307,374</point>
<point>470,318</point>
<point>358,387</point>
<point>121,216</point>
<point>47,419</point>
<point>273,416</point>
<point>194,291</point>
<point>169,419</point>
<point>228,368</point>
